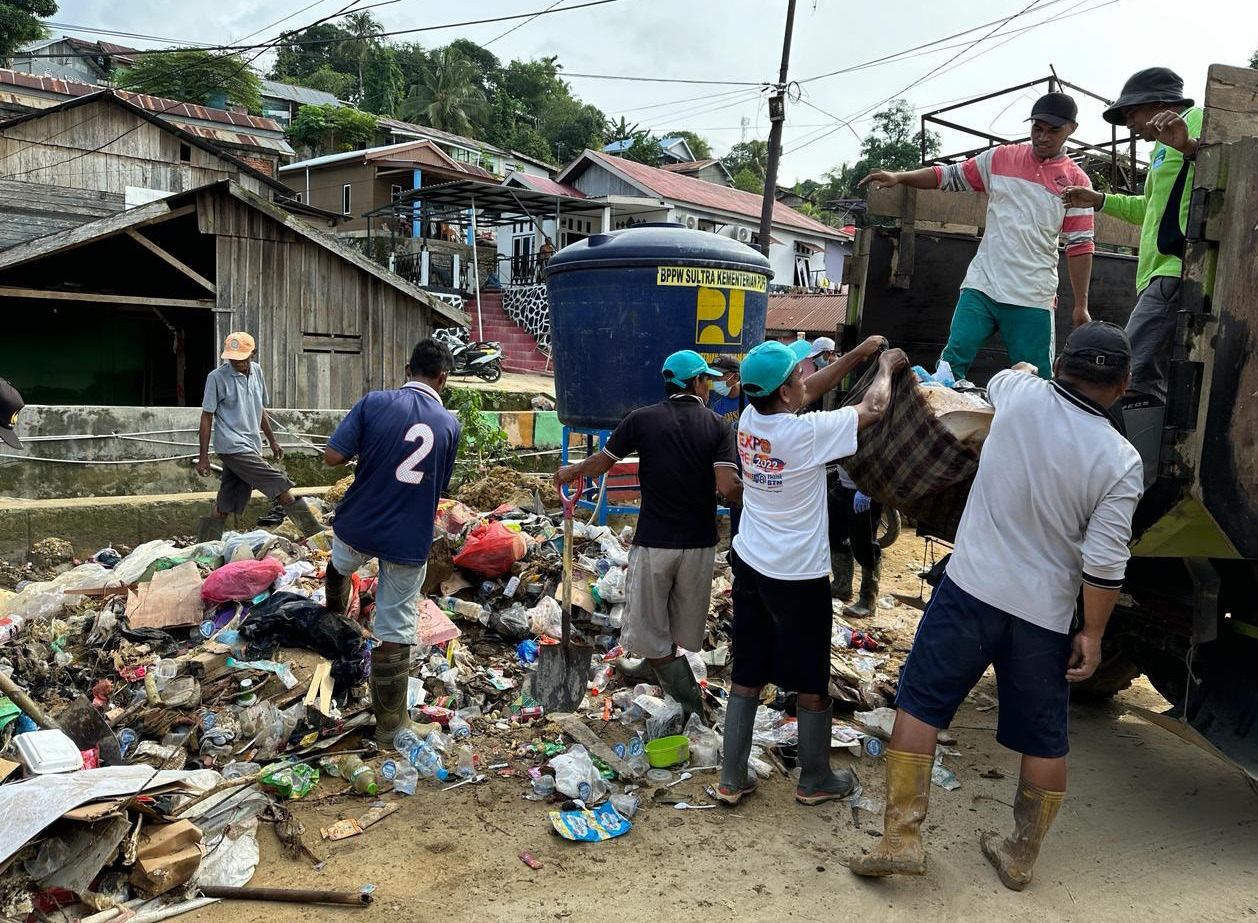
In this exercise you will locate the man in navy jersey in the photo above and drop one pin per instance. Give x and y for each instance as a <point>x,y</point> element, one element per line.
<point>405,442</point>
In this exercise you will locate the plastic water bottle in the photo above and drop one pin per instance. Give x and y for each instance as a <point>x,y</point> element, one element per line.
<point>402,774</point>
<point>602,676</point>
<point>459,728</point>
<point>426,762</point>
<point>404,740</point>
<point>360,776</point>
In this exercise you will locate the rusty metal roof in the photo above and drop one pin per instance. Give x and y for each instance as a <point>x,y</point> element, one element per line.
<point>808,312</point>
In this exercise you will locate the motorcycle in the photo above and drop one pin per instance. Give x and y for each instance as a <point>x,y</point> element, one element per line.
<point>482,358</point>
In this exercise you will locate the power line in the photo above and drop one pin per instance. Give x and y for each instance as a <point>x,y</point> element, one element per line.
<point>722,83</point>
<point>521,25</point>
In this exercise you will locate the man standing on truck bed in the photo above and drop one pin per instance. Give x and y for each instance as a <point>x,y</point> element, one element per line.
<point>1050,509</point>
<point>1153,107</point>
<point>685,456</point>
<point>1011,285</point>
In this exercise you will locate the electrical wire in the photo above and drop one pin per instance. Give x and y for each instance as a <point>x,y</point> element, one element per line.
<point>520,25</point>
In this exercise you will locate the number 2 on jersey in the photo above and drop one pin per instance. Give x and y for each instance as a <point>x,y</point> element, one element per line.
<point>408,471</point>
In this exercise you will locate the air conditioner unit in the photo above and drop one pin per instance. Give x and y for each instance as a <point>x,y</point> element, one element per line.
<point>744,235</point>
<point>692,222</point>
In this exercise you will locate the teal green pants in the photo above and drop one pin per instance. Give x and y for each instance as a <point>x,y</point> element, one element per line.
<point>1027,332</point>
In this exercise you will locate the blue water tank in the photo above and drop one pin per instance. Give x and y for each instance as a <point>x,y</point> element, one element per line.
<point>621,302</point>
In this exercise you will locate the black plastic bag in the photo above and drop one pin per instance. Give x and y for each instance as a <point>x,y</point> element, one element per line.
<point>291,620</point>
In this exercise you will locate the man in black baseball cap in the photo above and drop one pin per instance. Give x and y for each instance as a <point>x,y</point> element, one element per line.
<point>1153,106</point>
<point>1011,285</point>
<point>11,404</point>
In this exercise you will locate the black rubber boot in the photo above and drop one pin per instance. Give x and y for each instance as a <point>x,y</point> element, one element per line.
<point>390,673</point>
<point>864,606</point>
<point>818,783</point>
<point>678,680</point>
<point>210,529</point>
<point>338,587</point>
<point>843,569</point>
<point>740,720</point>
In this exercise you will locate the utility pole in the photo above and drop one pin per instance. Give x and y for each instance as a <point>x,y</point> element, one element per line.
<point>777,115</point>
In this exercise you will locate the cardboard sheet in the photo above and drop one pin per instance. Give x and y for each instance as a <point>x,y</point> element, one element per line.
<point>172,599</point>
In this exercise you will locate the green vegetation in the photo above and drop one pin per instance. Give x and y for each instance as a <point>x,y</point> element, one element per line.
<point>196,76</point>
<point>20,25</point>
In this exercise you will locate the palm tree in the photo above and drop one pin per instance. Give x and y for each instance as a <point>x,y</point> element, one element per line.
<point>446,96</point>
<point>618,131</point>
<point>364,30</point>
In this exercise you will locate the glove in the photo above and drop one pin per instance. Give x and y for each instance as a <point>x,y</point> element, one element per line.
<point>860,503</point>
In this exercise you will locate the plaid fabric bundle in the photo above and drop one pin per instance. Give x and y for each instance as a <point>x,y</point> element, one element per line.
<point>909,461</point>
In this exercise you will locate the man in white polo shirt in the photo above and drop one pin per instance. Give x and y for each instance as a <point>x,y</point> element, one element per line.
<point>1050,510</point>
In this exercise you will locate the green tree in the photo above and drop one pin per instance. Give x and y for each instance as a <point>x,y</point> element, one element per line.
<point>893,144</point>
<point>300,54</point>
<point>363,36</point>
<point>570,126</point>
<point>699,145</point>
<point>1253,62</point>
<point>20,25</point>
<point>332,128</point>
<point>195,76</point>
<point>750,157</point>
<point>446,96</point>
<point>619,130</point>
<point>329,81</point>
<point>412,58</point>
<point>487,65</point>
<point>383,84</point>
<point>748,180</point>
<point>644,149</point>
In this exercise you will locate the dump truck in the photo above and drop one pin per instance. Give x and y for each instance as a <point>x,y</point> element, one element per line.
<point>1188,615</point>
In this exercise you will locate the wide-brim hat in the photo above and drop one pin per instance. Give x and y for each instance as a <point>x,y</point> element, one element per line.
<point>1151,85</point>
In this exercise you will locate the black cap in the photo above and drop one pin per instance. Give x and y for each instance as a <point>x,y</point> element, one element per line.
<point>1100,343</point>
<point>726,364</point>
<point>1054,108</point>
<point>10,404</point>
<point>1151,85</point>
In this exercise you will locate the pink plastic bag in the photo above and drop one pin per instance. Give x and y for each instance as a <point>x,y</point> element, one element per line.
<point>491,549</point>
<point>240,580</point>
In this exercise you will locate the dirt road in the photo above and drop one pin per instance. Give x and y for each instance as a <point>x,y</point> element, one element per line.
<point>1153,829</point>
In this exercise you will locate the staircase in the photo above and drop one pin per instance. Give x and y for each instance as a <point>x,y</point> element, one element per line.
<point>519,349</point>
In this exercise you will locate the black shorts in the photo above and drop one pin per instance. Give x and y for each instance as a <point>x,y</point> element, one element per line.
<point>244,473</point>
<point>781,631</point>
<point>958,638</point>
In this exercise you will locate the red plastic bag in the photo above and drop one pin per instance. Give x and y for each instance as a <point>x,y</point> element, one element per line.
<point>240,580</point>
<point>491,549</point>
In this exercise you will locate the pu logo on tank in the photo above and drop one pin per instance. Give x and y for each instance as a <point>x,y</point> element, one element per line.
<point>719,317</point>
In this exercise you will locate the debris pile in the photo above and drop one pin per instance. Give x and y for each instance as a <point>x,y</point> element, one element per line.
<point>158,705</point>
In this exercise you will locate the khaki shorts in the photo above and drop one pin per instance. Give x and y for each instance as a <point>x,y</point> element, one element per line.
<point>669,591</point>
<point>244,473</point>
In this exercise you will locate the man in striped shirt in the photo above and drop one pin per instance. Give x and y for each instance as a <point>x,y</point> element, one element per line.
<point>1011,285</point>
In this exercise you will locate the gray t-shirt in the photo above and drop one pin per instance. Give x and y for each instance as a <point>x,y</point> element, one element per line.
<point>236,401</point>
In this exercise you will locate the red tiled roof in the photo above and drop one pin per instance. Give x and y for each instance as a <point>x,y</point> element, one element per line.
<point>155,104</point>
<point>681,188</point>
<point>813,313</point>
<point>548,186</point>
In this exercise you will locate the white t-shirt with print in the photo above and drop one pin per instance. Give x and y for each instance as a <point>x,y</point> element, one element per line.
<point>784,528</point>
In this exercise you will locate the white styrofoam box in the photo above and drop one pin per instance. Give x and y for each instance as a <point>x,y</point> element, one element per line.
<point>43,752</point>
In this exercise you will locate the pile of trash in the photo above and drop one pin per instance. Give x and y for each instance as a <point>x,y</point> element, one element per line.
<point>157,705</point>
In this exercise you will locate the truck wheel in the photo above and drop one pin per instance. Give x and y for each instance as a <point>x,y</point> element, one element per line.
<point>888,528</point>
<point>1115,674</point>
<point>1167,674</point>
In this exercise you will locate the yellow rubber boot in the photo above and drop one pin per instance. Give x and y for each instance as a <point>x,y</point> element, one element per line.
<point>1013,857</point>
<point>900,851</point>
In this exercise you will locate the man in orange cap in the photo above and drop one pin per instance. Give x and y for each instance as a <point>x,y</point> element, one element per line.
<point>233,409</point>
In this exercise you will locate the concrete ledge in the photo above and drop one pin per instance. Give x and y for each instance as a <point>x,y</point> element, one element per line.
<point>92,523</point>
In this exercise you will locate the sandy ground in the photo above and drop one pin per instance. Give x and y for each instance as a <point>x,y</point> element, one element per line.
<point>515,382</point>
<point>1153,829</point>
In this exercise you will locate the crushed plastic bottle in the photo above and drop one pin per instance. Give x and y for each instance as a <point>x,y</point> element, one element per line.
<point>404,739</point>
<point>459,728</point>
<point>427,762</point>
<point>402,774</point>
<point>465,765</point>
<point>602,676</point>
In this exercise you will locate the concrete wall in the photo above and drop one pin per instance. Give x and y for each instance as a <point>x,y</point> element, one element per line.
<point>143,450</point>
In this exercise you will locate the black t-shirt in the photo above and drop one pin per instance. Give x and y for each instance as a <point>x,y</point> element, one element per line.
<point>678,441</point>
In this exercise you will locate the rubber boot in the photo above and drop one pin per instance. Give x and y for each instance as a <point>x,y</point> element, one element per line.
<point>842,567</point>
<point>1013,857</point>
<point>210,529</point>
<point>302,516</point>
<point>678,680</point>
<point>740,720</point>
<point>819,783</point>
<point>864,605</point>
<point>390,672</point>
<point>900,851</point>
<point>337,586</point>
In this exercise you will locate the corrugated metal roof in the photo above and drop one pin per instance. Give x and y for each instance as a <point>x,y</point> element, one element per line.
<point>423,131</point>
<point>680,188</point>
<point>813,313</point>
<point>399,152</point>
<point>298,94</point>
<point>544,184</point>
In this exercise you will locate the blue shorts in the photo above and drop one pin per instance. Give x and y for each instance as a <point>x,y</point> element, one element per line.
<point>958,638</point>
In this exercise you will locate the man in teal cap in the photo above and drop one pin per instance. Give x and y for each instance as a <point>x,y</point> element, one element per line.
<point>781,559</point>
<point>685,455</point>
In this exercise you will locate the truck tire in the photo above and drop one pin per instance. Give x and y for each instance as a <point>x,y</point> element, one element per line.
<point>888,527</point>
<point>1115,674</point>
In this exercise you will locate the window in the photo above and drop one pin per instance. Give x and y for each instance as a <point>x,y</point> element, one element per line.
<point>395,193</point>
<point>345,199</point>
<point>185,152</point>
<point>297,197</point>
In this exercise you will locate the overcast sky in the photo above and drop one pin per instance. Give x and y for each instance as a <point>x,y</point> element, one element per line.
<point>1095,44</point>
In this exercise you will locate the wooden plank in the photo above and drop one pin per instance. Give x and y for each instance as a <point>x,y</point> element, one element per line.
<point>1231,103</point>
<point>970,209</point>
<point>172,260</point>
<point>13,291</point>
<point>145,215</point>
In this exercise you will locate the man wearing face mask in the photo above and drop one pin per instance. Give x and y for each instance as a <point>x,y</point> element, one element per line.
<point>727,401</point>
<point>820,354</point>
